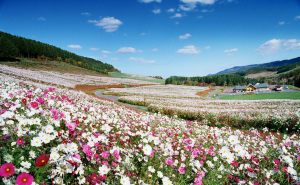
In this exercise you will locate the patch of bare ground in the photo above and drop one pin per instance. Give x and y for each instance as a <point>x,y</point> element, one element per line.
<point>265,74</point>
<point>205,92</point>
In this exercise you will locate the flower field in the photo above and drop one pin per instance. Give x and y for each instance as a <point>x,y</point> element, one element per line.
<point>172,91</point>
<point>58,136</point>
<point>66,79</point>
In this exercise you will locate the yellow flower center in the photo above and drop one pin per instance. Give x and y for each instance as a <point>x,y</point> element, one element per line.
<point>43,161</point>
<point>24,180</point>
<point>7,169</point>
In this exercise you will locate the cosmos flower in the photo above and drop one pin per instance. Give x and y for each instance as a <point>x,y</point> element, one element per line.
<point>7,170</point>
<point>24,179</point>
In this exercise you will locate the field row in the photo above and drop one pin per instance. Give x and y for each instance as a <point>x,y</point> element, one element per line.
<point>66,79</point>
<point>283,115</point>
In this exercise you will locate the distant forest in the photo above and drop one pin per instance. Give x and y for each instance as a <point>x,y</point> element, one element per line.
<point>14,47</point>
<point>219,80</point>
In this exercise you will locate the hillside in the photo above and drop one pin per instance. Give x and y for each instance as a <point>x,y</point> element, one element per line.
<point>14,47</point>
<point>271,66</point>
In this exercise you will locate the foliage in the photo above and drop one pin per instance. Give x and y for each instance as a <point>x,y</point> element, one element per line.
<point>14,46</point>
<point>219,80</point>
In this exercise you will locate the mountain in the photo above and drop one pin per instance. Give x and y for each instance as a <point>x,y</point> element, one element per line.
<point>260,67</point>
<point>12,48</point>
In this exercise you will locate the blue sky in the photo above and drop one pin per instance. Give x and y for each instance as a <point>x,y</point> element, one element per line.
<point>162,37</point>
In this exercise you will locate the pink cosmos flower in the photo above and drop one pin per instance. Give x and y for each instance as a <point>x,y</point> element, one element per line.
<point>196,152</point>
<point>105,154</point>
<point>71,126</point>
<point>87,150</point>
<point>20,141</point>
<point>24,179</point>
<point>298,158</point>
<point>181,170</point>
<point>169,162</point>
<point>116,154</point>
<point>40,100</point>
<point>7,170</point>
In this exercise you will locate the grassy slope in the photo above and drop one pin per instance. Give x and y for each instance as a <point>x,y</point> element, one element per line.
<point>62,67</point>
<point>136,77</point>
<point>275,95</point>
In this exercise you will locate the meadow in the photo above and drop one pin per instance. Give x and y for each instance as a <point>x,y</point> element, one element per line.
<point>264,96</point>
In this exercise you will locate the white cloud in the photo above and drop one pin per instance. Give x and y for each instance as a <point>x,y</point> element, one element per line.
<point>42,19</point>
<point>154,49</point>
<point>94,49</point>
<point>156,11</point>
<point>171,10</point>
<point>291,44</point>
<point>190,49</point>
<point>177,15</point>
<point>231,51</point>
<point>109,24</point>
<point>150,1</point>
<point>185,36</point>
<point>127,50</point>
<point>297,18</point>
<point>187,7</point>
<point>203,2</point>
<point>281,23</point>
<point>141,60</point>
<point>274,45</point>
<point>270,46</point>
<point>86,13</point>
<point>105,52</point>
<point>74,46</point>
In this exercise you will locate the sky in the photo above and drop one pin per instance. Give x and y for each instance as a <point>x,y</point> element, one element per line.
<point>162,37</point>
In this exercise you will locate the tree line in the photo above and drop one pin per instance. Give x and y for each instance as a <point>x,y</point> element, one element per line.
<point>13,47</point>
<point>219,80</point>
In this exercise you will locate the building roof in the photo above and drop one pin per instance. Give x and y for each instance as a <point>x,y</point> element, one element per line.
<point>263,85</point>
<point>238,87</point>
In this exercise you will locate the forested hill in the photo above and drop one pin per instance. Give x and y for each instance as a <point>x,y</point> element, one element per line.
<point>12,47</point>
<point>260,67</point>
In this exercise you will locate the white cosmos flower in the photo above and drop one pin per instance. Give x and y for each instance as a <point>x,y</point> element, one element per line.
<point>125,180</point>
<point>103,170</point>
<point>147,149</point>
<point>26,164</point>
<point>36,142</point>
<point>166,181</point>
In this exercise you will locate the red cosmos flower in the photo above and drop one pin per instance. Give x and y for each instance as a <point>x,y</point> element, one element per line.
<point>7,170</point>
<point>235,164</point>
<point>24,179</point>
<point>34,104</point>
<point>42,160</point>
<point>94,179</point>
<point>24,101</point>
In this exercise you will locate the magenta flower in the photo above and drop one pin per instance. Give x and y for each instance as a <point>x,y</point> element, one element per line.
<point>20,141</point>
<point>105,154</point>
<point>116,154</point>
<point>169,162</point>
<point>24,179</point>
<point>87,150</point>
<point>71,126</point>
<point>7,170</point>
<point>181,170</point>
